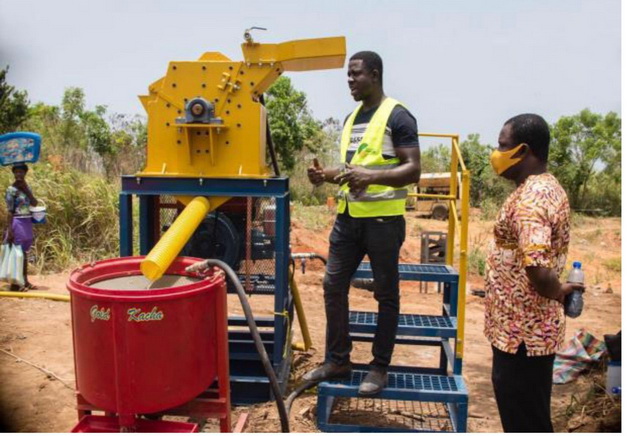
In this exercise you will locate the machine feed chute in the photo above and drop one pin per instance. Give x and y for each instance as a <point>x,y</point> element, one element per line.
<point>206,121</point>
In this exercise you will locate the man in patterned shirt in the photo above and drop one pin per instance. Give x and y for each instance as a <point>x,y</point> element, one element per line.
<point>524,315</point>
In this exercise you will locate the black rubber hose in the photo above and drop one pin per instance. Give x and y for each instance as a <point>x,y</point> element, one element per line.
<point>297,391</point>
<point>270,145</point>
<point>262,352</point>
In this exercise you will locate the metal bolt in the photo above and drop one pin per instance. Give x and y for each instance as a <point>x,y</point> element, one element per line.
<point>197,109</point>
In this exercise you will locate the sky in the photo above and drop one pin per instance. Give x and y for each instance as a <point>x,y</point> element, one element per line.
<point>460,66</point>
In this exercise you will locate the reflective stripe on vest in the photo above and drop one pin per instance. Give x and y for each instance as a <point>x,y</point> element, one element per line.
<point>378,200</point>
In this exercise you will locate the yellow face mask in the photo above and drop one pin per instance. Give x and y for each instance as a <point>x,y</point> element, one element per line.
<point>501,161</point>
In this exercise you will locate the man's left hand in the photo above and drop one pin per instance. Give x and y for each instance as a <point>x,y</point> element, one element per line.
<point>358,178</point>
<point>567,288</point>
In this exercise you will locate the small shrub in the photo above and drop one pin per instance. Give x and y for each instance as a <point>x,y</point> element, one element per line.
<point>489,208</point>
<point>614,264</point>
<point>477,261</point>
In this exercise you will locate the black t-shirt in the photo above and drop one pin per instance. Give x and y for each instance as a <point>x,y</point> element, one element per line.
<point>402,131</point>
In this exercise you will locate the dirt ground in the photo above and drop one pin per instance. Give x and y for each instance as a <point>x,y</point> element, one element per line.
<point>36,332</point>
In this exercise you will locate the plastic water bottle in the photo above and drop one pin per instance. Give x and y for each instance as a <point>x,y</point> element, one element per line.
<point>573,303</point>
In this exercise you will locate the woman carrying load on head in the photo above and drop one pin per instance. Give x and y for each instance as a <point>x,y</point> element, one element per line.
<point>20,228</point>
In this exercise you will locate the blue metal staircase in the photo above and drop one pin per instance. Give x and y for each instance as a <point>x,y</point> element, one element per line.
<point>417,399</point>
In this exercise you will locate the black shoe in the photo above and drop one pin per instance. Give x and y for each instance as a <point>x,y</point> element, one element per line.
<point>374,382</point>
<point>328,371</point>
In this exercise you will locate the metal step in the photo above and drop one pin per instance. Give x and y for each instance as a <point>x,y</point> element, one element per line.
<point>444,398</point>
<point>368,415</point>
<point>249,382</point>
<point>408,324</point>
<point>402,386</point>
<point>419,272</point>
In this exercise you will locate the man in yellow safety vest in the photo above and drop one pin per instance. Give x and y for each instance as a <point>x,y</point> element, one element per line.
<point>380,156</point>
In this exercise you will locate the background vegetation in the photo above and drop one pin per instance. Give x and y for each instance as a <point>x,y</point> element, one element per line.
<point>85,150</point>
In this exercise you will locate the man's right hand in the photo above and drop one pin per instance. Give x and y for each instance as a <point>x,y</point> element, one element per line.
<point>316,173</point>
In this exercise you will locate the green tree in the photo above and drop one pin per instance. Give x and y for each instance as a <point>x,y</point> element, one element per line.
<point>486,186</point>
<point>584,146</point>
<point>89,140</point>
<point>291,123</point>
<point>436,159</point>
<point>326,148</point>
<point>14,105</point>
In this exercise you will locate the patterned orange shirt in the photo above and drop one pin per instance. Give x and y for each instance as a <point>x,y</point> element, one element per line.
<point>532,229</point>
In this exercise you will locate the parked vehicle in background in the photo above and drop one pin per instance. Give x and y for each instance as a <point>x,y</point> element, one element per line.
<point>434,184</point>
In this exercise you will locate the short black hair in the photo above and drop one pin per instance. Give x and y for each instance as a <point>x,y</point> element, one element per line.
<point>20,166</point>
<point>531,129</point>
<point>371,61</point>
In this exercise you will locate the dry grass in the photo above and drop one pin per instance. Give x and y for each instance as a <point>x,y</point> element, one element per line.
<point>82,217</point>
<point>595,411</point>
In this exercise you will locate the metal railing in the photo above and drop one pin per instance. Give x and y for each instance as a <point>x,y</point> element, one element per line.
<point>457,227</point>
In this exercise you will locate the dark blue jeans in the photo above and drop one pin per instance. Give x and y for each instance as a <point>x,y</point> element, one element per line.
<point>351,239</point>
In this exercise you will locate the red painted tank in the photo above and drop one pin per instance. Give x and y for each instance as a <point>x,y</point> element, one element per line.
<point>143,350</point>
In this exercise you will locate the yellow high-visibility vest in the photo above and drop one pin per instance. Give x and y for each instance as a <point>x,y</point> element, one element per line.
<point>378,200</point>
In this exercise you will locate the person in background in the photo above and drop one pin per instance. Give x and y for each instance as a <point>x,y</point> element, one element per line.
<point>524,314</point>
<point>19,226</point>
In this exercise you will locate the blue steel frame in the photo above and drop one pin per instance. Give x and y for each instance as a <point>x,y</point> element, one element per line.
<point>147,188</point>
<point>450,279</point>
<point>445,338</point>
<point>456,403</point>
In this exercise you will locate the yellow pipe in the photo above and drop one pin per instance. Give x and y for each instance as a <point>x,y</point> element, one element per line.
<point>464,247</point>
<point>434,196</point>
<point>453,190</point>
<point>302,319</point>
<point>438,135</point>
<point>168,247</point>
<point>456,148</point>
<point>48,295</point>
<point>456,222</point>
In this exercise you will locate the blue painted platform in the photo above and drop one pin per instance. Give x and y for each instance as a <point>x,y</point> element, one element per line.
<point>418,272</point>
<point>408,324</point>
<point>417,399</point>
<point>405,386</point>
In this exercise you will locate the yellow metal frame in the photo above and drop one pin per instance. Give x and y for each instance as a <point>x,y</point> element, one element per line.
<point>457,227</point>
